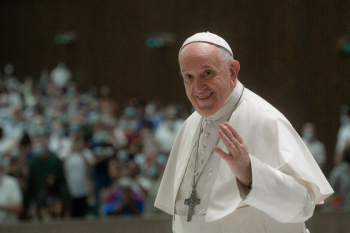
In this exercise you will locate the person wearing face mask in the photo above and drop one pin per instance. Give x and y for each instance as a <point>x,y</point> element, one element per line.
<point>58,140</point>
<point>44,163</point>
<point>316,147</point>
<point>10,196</point>
<point>78,160</point>
<point>103,150</point>
<point>167,130</point>
<point>343,138</point>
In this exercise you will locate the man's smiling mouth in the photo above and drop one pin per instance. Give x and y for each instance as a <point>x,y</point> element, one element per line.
<point>204,97</point>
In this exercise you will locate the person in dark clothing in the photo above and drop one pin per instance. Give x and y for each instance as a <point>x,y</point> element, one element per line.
<point>46,176</point>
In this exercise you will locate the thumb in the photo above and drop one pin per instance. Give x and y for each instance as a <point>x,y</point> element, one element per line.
<point>221,153</point>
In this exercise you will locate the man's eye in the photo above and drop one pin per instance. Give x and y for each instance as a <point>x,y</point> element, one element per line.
<point>207,73</point>
<point>188,76</point>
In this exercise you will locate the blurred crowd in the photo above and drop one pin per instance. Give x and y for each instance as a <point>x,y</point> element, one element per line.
<point>68,154</point>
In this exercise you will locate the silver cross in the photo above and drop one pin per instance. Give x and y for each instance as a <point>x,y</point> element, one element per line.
<point>191,202</point>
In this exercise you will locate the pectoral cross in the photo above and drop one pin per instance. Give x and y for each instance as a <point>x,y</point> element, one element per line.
<point>192,201</point>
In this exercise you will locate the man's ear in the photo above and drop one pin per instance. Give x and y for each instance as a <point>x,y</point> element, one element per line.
<point>234,69</point>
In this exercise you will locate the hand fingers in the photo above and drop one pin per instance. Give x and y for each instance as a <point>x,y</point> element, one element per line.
<point>226,131</point>
<point>230,145</point>
<point>221,153</point>
<point>230,136</point>
<point>234,132</point>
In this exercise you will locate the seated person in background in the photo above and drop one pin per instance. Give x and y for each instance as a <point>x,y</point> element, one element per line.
<point>10,196</point>
<point>52,203</point>
<point>122,200</point>
<point>340,181</point>
<point>316,147</point>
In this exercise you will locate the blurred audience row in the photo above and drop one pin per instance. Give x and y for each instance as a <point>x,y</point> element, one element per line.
<point>69,154</point>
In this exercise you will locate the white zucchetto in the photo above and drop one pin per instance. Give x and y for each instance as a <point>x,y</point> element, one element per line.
<point>207,37</point>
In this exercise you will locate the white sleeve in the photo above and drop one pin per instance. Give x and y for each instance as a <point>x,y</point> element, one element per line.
<point>16,197</point>
<point>279,195</point>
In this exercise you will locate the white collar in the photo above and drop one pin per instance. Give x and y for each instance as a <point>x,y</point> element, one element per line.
<point>230,102</point>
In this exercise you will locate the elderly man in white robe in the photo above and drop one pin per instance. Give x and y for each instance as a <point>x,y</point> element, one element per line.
<point>237,164</point>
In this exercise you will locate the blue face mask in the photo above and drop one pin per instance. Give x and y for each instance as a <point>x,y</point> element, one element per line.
<point>11,121</point>
<point>309,135</point>
<point>123,155</point>
<point>101,136</point>
<point>171,125</point>
<point>133,125</point>
<point>37,150</point>
<point>5,162</point>
<point>74,127</point>
<point>14,153</point>
<point>40,131</point>
<point>59,132</point>
<point>344,119</point>
<point>122,124</point>
<point>139,159</point>
<point>161,159</point>
<point>153,172</point>
<point>130,111</point>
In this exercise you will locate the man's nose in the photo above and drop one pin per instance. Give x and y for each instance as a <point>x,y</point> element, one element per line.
<point>199,84</point>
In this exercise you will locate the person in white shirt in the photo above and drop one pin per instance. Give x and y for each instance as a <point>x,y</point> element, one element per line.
<point>77,161</point>
<point>237,164</point>
<point>10,196</point>
<point>61,75</point>
<point>168,128</point>
<point>58,139</point>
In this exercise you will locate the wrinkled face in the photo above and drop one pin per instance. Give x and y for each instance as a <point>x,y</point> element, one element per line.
<point>208,80</point>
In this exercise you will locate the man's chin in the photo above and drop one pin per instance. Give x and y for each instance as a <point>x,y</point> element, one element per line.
<point>206,112</point>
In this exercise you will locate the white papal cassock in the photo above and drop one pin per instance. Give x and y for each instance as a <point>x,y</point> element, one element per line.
<point>287,182</point>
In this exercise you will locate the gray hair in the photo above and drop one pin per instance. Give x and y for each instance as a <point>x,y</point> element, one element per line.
<point>223,53</point>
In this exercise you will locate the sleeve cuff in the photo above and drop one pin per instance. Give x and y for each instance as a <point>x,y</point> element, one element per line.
<point>277,194</point>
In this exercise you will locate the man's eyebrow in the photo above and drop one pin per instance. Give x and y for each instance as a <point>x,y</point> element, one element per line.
<point>206,66</point>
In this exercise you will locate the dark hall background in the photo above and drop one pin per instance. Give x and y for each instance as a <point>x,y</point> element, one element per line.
<point>288,50</point>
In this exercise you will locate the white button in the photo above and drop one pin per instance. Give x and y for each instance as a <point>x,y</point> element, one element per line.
<point>209,122</point>
<point>203,147</point>
<point>211,169</point>
<point>206,134</point>
<point>196,174</point>
<point>201,161</point>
